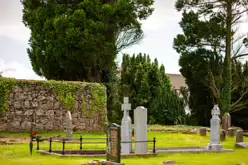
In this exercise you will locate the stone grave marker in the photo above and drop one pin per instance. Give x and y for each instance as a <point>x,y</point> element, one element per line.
<point>140,130</point>
<point>214,144</point>
<point>68,125</point>
<point>226,121</point>
<point>126,128</point>
<point>230,132</point>
<point>239,136</point>
<point>242,145</point>
<point>203,131</point>
<point>113,143</point>
<point>222,135</point>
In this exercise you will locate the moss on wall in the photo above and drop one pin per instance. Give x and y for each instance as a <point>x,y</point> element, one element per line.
<point>64,89</point>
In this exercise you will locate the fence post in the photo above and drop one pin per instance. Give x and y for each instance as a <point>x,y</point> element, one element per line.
<point>63,147</point>
<point>38,143</point>
<point>50,145</point>
<point>154,145</point>
<point>81,139</point>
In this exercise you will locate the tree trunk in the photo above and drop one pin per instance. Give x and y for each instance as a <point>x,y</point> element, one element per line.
<point>227,75</point>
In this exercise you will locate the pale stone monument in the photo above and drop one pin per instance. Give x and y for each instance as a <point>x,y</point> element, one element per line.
<point>214,144</point>
<point>126,128</point>
<point>140,130</point>
<point>68,125</point>
<point>226,121</point>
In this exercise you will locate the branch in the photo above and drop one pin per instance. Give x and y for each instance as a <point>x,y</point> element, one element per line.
<point>241,97</point>
<point>238,56</point>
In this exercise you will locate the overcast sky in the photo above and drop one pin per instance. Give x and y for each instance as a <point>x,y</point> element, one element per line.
<point>160,29</point>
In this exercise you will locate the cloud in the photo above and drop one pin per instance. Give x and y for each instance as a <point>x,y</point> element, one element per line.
<point>17,70</point>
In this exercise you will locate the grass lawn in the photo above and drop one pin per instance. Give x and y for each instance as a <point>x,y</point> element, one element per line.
<point>19,154</point>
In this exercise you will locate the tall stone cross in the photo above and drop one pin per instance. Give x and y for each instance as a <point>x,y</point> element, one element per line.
<point>214,144</point>
<point>126,107</point>
<point>126,128</point>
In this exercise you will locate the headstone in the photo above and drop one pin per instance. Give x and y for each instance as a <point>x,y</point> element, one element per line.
<point>230,132</point>
<point>226,121</point>
<point>68,123</point>
<point>214,144</point>
<point>203,131</point>
<point>113,143</point>
<point>242,145</point>
<point>239,136</point>
<point>222,135</point>
<point>140,130</point>
<point>126,128</point>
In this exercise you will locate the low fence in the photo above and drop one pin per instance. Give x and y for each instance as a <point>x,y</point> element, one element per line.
<point>80,141</point>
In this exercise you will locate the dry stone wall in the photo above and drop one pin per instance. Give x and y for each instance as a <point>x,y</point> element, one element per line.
<point>42,105</point>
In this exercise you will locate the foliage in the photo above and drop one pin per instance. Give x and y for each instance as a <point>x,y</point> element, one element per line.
<point>6,85</point>
<point>221,38</point>
<point>79,40</point>
<point>146,84</point>
<point>66,91</point>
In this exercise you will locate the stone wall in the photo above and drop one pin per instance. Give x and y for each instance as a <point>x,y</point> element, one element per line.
<point>42,105</point>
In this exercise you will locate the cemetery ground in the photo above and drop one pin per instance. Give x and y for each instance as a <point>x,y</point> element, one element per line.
<point>19,153</point>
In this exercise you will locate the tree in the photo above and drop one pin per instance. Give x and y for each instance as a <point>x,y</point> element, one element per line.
<point>146,84</point>
<point>79,40</point>
<point>230,12</point>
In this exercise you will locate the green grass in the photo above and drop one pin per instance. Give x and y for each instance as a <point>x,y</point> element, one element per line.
<point>19,154</point>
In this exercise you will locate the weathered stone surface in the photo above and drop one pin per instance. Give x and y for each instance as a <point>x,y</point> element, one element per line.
<point>29,113</point>
<point>214,144</point>
<point>26,104</point>
<point>19,113</point>
<point>242,145</point>
<point>169,162</point>
<point>39,112</point>
<point>17,105</point>
<point>40,107</point>
<point>231,132</point>
<point>203,131</point>
<point>222,135</point>
<point>226,121</point>
<point>15,124</point>
<point>26,125</point>
<point>239,136</point>
<point>140,130</point>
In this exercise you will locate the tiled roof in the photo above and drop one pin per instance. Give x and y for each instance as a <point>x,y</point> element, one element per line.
<point>177,80</point>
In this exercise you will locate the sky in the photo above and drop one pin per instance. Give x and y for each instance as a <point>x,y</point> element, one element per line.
<point>160,29</point>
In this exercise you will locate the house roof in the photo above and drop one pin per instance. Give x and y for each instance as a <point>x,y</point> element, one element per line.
<point>177,80</point>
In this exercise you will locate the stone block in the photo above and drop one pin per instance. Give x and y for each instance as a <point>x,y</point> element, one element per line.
<point>239,136</point>
<point>29,113</point>
<point>203,131</point>
<point>15,124</point>
<point>222,135</point>
<point>26,125</point>
<point>17,105</point>
<point>231,132</point>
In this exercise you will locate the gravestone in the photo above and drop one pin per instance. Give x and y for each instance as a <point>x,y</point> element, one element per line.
<point>222,135</point>
<point>226,121</point>
<point>214,144</point>
<point>239,136</point>
<point>230,132</point>
<point>140,130</point>
<point>203,131</point>
<point>126,128</point>
<point>113,143</point>
<point>68,123</point>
